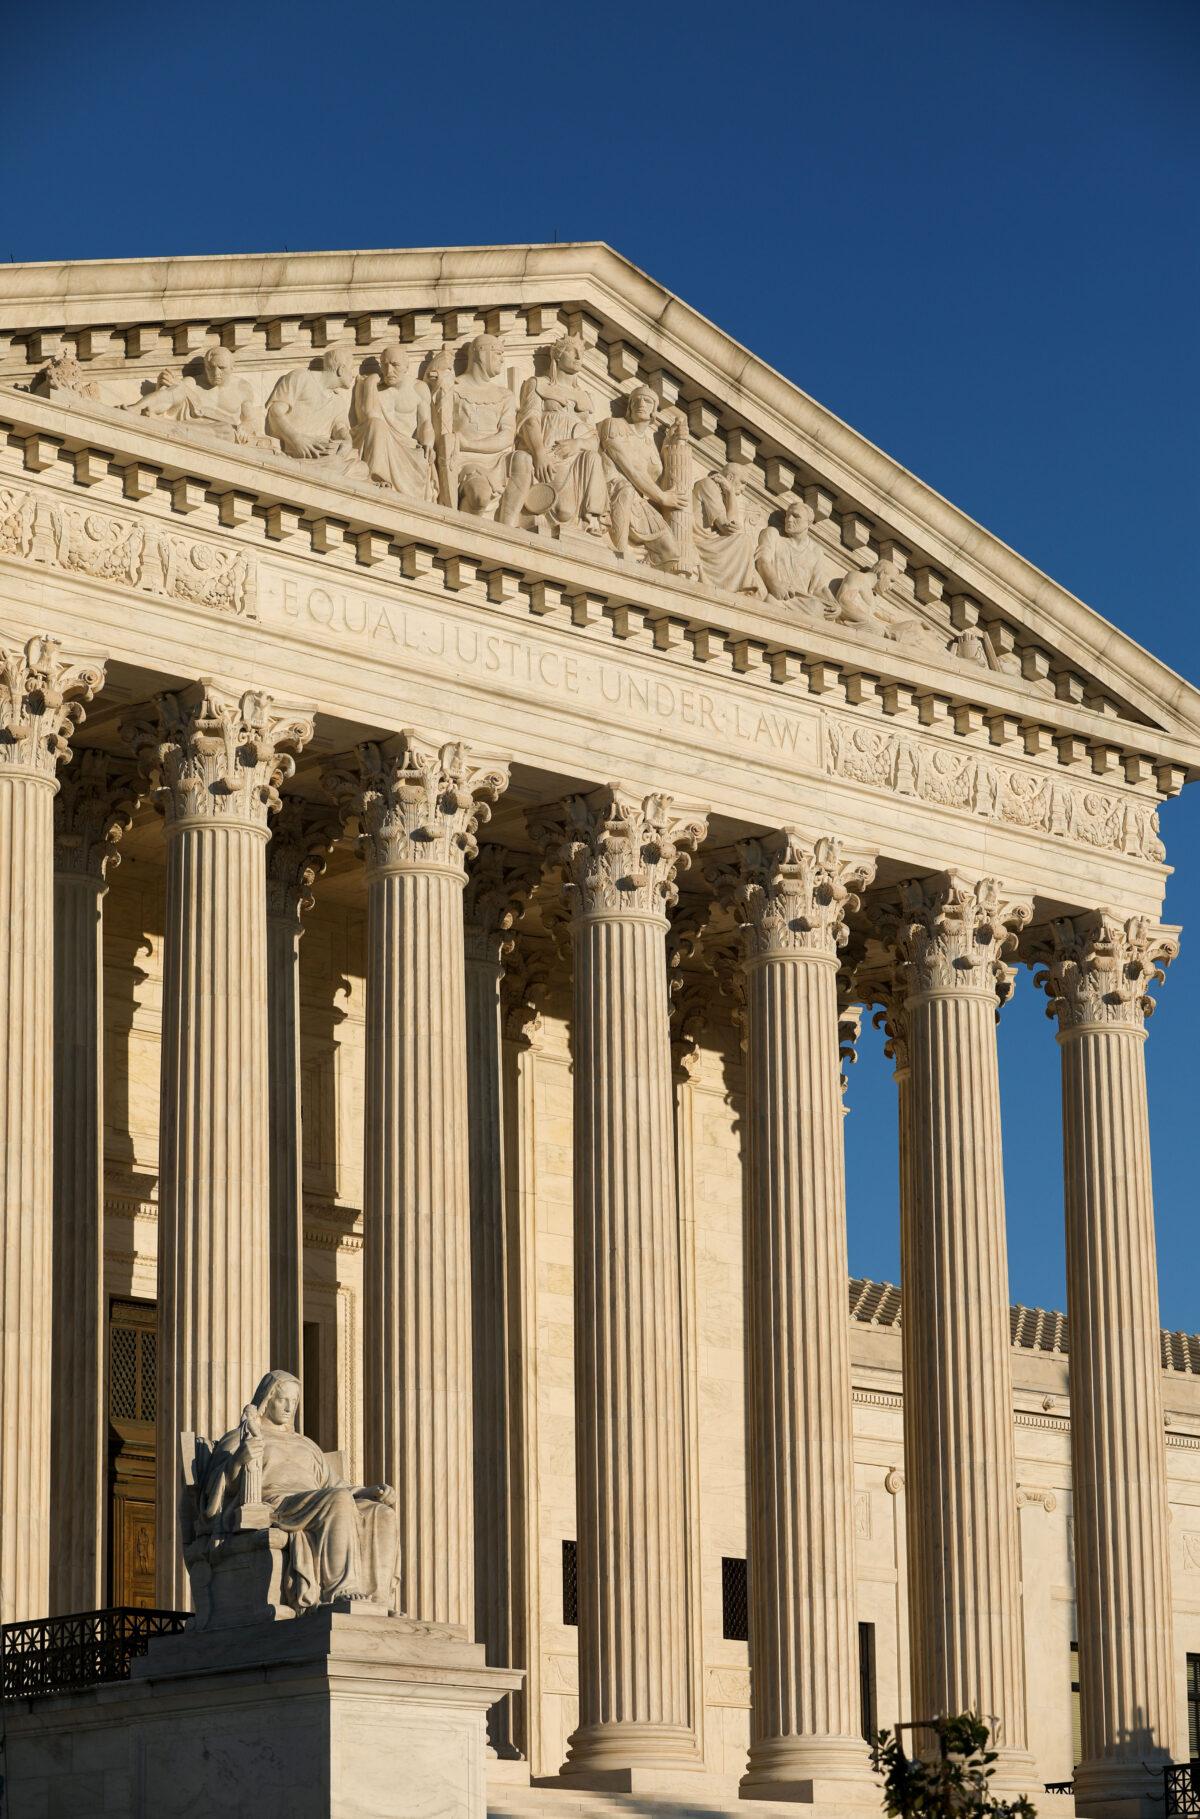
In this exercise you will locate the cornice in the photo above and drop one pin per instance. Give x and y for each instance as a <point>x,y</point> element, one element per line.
<point>621,301</point>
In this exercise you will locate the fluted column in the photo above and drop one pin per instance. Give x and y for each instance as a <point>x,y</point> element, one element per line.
<point>40,707</point>
<point>417,810</point>
<point>1096,971</point>
<point>497,888</point>
<point>216,762</point>
<point>93,807</point>
<point>964,1564</point>
<point>301,836</point>
<point>620,856</point>
<point>791,898</point>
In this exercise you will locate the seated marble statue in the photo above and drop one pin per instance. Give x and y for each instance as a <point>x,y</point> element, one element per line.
<point>862,602</point>
<point>557,469</point>
<point>218,402</point>
<point>642,501</point>
<point>342,1539</point>
<point>392,427</point>
<point>792,564</point>
<point>726,540</point>
<point>475,424</point>
<point>309,413</point>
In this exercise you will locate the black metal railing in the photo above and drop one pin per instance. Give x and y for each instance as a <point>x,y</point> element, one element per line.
<point>1059,1787</point>
<point>61,1654</point>
<point>1181,1786</point>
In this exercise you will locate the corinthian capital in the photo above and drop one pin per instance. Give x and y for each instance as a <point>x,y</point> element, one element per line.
<point>1096,970</point>
<point>93,808</point>
<point>791,896</point>
<point>417,806</point>
<point>215,757</point>
<point>41,704</point>
<point>302,834</point>
<point>499,886</point>
<point>951,935</point>
<point>619,853</point>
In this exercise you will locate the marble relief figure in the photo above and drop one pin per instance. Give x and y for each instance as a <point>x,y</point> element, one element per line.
<point>342,1540</point>
<point>557,468</point>
<point>216,401</point>
<point>392,426</point>
<point>861,597</point>
<point>309,413</point>
<point>793,566</point>
<point>726,540</point>
<point>475,423</point>
<point>647,508</point>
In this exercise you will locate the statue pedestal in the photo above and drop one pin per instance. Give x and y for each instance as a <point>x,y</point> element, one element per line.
<point>333,1715</point>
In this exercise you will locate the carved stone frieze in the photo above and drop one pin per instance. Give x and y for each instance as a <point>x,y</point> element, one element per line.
<point>951,935</point>
<point>1097,969</point>
<point>42,698</point>
<point>974,781</point>
<point>790,895</point>
<point>620,854</point>
<point>302,834</point>
<point>97,795</point>
<point>210,755</point>
<point>416,805</point>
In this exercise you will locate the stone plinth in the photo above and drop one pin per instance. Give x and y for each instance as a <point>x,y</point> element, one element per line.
<point>330,1716</point>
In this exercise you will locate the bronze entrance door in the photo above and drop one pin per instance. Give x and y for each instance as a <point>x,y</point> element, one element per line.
<point>132,1347</point>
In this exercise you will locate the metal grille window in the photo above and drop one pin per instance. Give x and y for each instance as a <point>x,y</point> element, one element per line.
<point>735,1609</point>
<point>1193,1705</point>
<point>866,1680</point>
<point>570,1583</point>
<point>132,1349</point>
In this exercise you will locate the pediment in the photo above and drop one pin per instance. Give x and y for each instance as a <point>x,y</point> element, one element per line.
<point>870,557</point>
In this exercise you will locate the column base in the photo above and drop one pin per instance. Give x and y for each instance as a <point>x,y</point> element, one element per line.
<point>631,1758</point>
<point>811,1771</point>
<point>1105,1789</point>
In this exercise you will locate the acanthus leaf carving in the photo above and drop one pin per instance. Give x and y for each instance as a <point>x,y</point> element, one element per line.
<point>951,934</point>
<point>302,836</point>
<point>214,756</point>
<point>500,883</point>
<point>524,988</point>
<point>790,895</point>
<point>42,698</point>
<point>1096,969</point>
<point>619,853</point>
<point>416,805</point>
<point>95,804</point>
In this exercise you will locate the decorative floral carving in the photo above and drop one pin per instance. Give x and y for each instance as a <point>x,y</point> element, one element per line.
<point>523,989</point>
<point>204,574</point>
<point>893,1482</point>
<point>499,886</point>
<point>416,805</point>
<point>94,806</point>
<point>64,373</point>
<point>790,895</point>
<point>93,543</point>
<point>1097,970</point>
<point>1036,1493</point>
<point>302,834</point>
<point>17,512</point>
<point>211,756</point>
<point>975,782</point>
<point>619,853</point>
<point>951,935</point>
<point>37,714</point>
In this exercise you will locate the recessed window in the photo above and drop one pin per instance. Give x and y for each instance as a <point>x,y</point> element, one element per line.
<point>735,1611</point>
<point>866,1680</point>
<point>1193,1705</point>
<point>570,1583</point>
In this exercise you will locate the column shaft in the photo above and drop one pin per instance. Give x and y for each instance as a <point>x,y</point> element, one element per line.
<point>286,1217</point>
<point>35,683</point>
<point>1096,973</point>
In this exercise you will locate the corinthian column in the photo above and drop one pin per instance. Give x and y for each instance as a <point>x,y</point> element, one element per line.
<point>791,898</point>
<point>37,718</point>
<point>620,856</point>
<point>950,937</point>
<point>93,807</point>
<point>301,836</point>
<point>418,809</point>
<point>497,889</point>
<point>1096,971</point>
<point>216,762</point>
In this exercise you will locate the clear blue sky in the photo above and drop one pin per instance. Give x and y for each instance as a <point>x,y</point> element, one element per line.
<point>970,229</point>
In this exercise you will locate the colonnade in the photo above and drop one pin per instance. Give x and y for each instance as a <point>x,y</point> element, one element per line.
<point>229,1236</point>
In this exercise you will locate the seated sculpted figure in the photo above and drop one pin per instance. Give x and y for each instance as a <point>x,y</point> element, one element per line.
<point>218,402</point>
<point>726,541</point>
<point>861,597</point>
<point>393,427</point>
<point>475,421</point>
<point>309,413</point>
<point>342,1541</point>
<point>557,456</point>
<point>792,564</point>
<point>642,501</point>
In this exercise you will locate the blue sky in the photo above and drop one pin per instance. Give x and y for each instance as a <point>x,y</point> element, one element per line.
<point>969,229</point>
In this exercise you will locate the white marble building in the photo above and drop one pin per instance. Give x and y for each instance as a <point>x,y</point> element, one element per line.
<point>529,727</point>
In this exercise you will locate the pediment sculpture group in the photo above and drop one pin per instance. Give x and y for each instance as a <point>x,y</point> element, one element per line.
<point>540,461</point>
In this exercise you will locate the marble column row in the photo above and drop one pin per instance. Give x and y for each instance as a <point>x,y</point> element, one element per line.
<point>443,1276</point>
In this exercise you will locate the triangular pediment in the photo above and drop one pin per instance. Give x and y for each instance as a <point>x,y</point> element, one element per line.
<point>874,555</point>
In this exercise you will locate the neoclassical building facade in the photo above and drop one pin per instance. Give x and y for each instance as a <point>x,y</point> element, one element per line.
<point>534,735</point>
